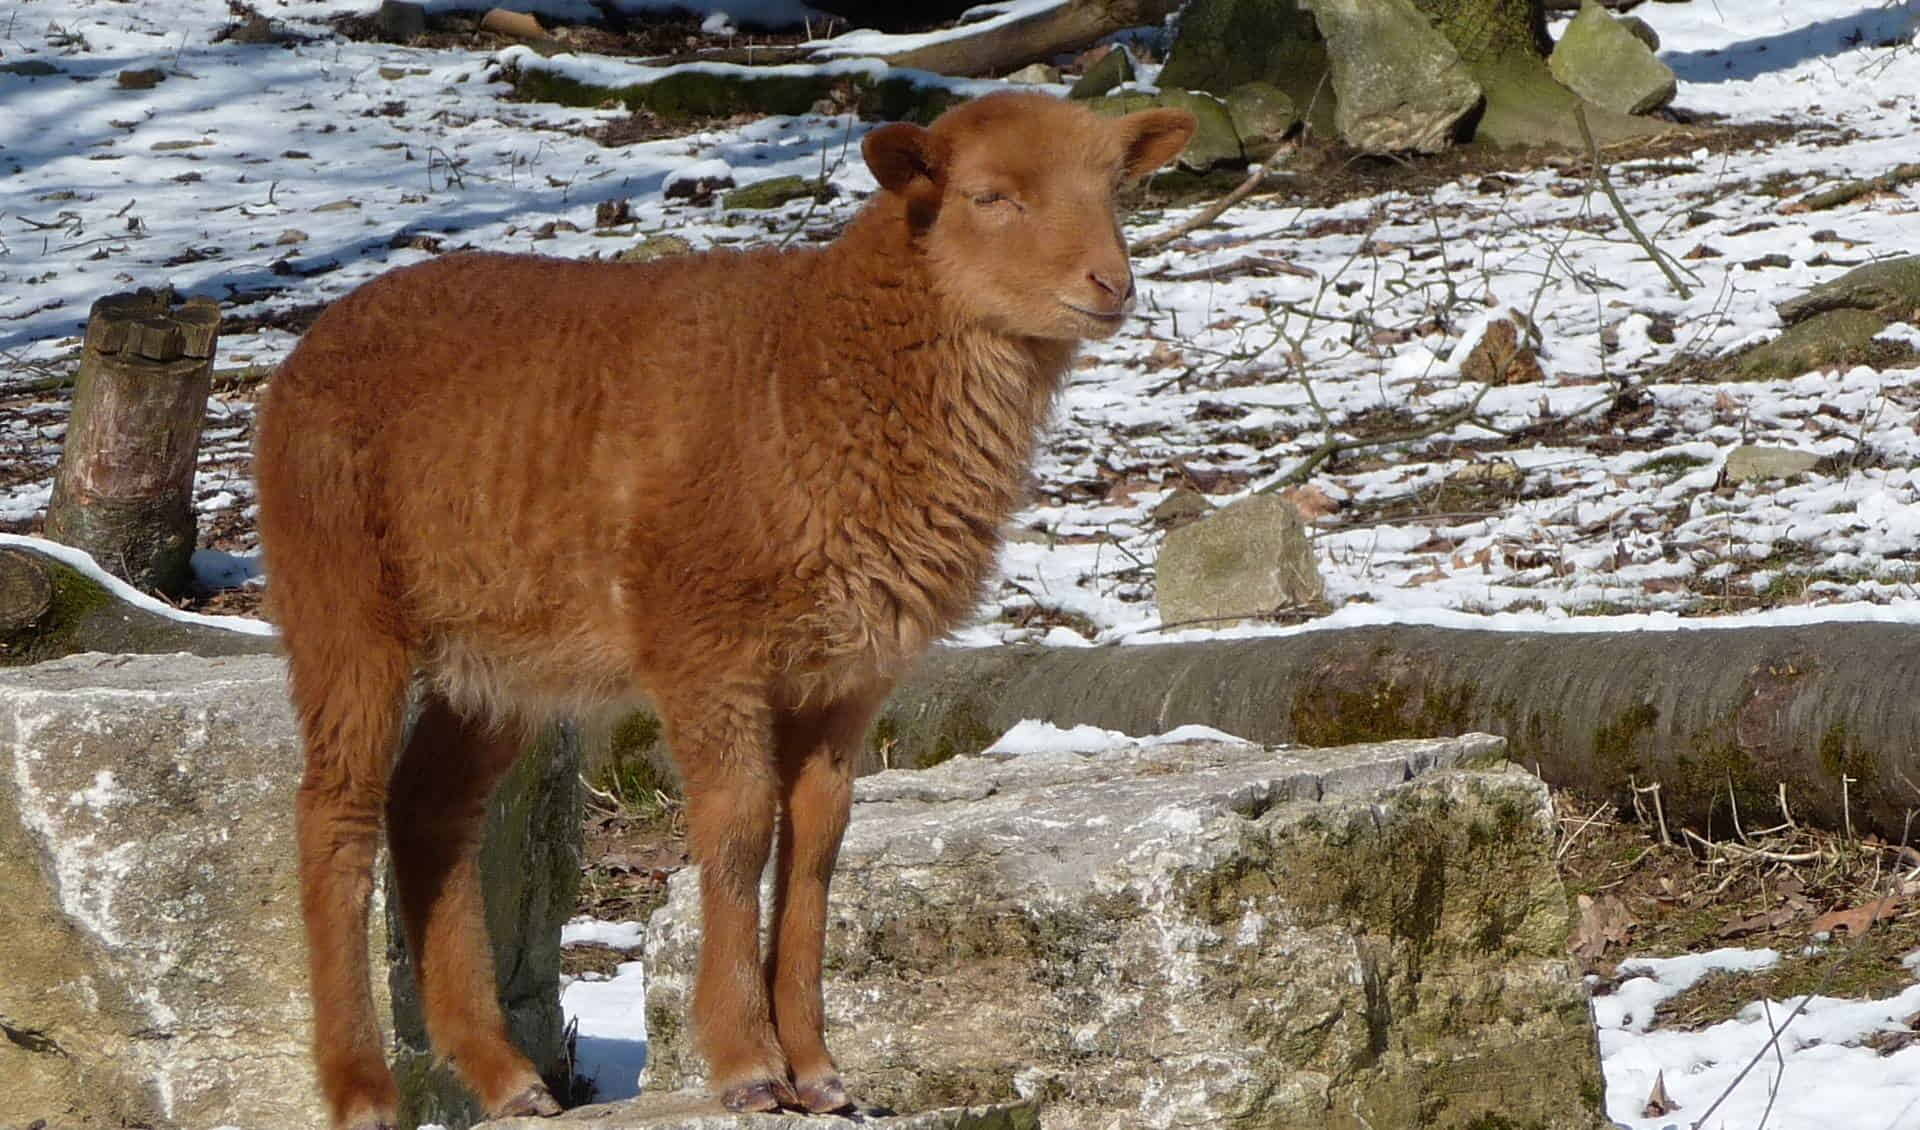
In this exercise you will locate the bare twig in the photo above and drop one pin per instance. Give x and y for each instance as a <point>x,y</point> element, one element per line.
<point>1606,185</point>
<point>1261,266</point>
<point>1337,446</point>
<point>1203,217</point>
<point>1854,190</point>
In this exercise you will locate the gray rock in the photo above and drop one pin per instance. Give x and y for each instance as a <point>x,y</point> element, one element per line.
<point>1223,43</point>
<point>1246,559</point>
<point>1196,935</point>
<point>1641,29</point>
<point>1215,141</point>
<point>696,1110</point>
<point>1112,69</point>
<point>655,247</point>
<point>1753,464</point>
<point>1262,115</point>
<point>154,971</point>
<point>1399,84</point>
<point>1605,63</point>
<point>1181,506</point>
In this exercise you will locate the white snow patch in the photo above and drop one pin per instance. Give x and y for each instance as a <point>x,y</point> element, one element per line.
<point>1032,736</point>
<point>614,935</point>
<point>612,1019</point>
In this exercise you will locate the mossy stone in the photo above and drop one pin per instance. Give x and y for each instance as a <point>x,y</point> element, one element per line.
<point>774,192</point>
<point>1214,143</point>
<point>1839,338</point>
<point>1262,115</point>
<point>1112,69</point>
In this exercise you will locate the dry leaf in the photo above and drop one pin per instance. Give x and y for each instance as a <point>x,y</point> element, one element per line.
<point>1428,577</point>
<point>1658,1101</point>
<point>1163,355</point>
<point>1310,501</point>
<point>1604,922</point>
<point>1854,921</point>
<point>1738,927</point>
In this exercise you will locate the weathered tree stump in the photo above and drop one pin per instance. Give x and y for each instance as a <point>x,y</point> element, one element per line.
<point>124,488</point>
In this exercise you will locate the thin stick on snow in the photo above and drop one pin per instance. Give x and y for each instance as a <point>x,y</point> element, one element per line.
<point>1200,219</point>
<point>1620,209</point>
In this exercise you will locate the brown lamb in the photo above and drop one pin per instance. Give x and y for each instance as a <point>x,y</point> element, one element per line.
<point>749,488</point>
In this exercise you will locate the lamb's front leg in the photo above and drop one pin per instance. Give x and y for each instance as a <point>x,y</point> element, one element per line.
<point>723,745</point>
<point>816,750</point>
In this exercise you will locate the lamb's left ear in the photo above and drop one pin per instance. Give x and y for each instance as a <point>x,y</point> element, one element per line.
<point>1153,138</point>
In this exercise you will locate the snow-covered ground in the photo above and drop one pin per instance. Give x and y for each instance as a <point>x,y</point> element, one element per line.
<point>278,176</point>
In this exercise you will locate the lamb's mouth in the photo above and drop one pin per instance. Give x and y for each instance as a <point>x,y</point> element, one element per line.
<point>1112,319</point>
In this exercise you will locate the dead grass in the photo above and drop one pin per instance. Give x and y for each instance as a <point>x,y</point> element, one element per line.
<point>1841,911</point>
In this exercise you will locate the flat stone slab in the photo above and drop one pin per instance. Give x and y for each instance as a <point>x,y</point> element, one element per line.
<point>1195,934</point>
<point>152,957</point>
<point>696,1110</point>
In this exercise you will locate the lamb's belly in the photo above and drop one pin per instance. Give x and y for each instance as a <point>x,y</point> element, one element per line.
<point>533,680</point>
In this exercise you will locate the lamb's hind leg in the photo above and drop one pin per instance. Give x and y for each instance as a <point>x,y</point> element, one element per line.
<point>816,751</point>
<point>436,817</point>
<point>721,739</point>
<point>350,701</point>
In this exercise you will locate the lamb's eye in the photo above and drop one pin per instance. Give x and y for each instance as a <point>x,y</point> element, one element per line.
<point>989,199</point>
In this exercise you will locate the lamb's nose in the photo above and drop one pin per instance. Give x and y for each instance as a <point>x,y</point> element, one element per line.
<point>1118,284</point>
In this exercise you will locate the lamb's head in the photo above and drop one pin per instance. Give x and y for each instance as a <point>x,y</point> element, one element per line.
<point>1011,198</point>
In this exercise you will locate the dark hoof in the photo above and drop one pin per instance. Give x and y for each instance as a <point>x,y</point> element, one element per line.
<point>825,1096</point>
<point>534,1102</point>
<point>764,1097</point>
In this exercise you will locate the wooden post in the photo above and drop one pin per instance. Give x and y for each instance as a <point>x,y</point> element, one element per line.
<point>124,488</point>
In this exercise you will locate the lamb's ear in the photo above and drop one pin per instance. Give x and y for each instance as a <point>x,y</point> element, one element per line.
<point>1153,138</point>
<point>901,153</point>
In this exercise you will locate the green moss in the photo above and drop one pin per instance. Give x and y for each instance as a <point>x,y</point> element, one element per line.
<point>75,597</point>
<point>1672,465</point>
<point>1839,756</point>
<point>774,192</point>
<point>1342,711</point>
<point>1614,755</point>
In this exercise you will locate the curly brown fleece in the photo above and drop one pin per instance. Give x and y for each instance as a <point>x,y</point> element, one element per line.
<point>749,488</point>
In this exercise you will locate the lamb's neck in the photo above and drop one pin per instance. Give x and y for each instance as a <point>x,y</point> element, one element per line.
<point>967,384</point>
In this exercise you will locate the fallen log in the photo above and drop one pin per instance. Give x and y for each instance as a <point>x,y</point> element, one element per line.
<point>1711,715</point>
<point>1827,710</point>
<point>1011,40</point>
<point>49,608</point>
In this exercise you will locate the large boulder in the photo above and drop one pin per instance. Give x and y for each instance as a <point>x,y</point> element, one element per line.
<point>1602,60</point>
<point>154,971</point>
<point>1400,84</point>
<point>1197,934</point>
